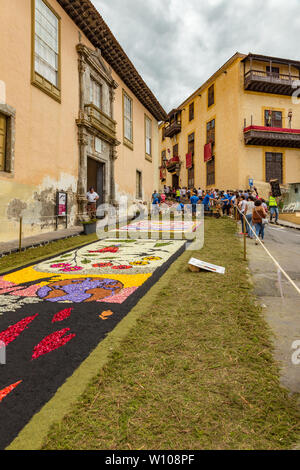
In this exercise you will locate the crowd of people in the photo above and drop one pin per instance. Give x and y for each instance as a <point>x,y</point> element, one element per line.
<point>246,205</point>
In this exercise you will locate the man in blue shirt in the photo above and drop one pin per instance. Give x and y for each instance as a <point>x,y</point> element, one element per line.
<point>226,200</point>
<point>194,201</point>
<point>206,200</point>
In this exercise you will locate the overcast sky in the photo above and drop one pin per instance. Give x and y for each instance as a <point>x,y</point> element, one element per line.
<point>176,45</point>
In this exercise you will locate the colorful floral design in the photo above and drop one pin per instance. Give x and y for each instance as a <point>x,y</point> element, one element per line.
<point>63,315</point>
<point>105,315</point>
<point>108,249</point>
<point>122,267</point>
<point>52,342</point>
<point>71,269</point>
<point>139,263</point>
<point>6,391</point>
<point>102,265</point>
<point>9,335</point>
<point>80,290</point>
<point>121,297</point>
<point>60,265</point>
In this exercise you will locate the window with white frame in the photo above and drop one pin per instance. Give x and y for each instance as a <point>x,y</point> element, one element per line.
<point>46,43</point>
<point>128,122</point>
<point>148,129</point>
<point>95,93</point>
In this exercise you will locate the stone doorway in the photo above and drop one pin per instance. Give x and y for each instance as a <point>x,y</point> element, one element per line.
<point>175,181</point>
<point>95,177</point>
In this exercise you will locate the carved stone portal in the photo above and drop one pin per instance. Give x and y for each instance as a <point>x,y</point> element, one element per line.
<point>96,128</point>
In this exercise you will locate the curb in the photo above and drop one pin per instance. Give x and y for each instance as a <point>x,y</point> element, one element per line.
<point>37,245</point>
<point>294,226</point>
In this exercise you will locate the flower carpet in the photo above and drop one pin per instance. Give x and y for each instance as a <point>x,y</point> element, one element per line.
<point>55,313</point>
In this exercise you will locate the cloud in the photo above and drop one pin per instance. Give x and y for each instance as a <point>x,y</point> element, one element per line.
<point>177,45</point>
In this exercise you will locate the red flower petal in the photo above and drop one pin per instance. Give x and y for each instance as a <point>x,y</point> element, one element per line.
<point>9,335</point>
<point>52,342</point>
<point>6,391</point>
<point>63,315</point>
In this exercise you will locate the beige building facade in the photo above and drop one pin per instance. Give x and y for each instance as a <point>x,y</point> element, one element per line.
<point>74,113</point>
<point>242,124</point>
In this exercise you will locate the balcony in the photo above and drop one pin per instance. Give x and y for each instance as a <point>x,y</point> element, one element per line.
<point>173,164</point>
<point>94,117</point>
<point>173,129</point>
<point>272,136</point>
<point>270,82</point>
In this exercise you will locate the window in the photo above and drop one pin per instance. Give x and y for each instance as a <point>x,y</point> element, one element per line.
<point>163,157</point>
<point>191,150</point>
<point>3,126</point>
<point>128,123</point>
<point>139,189</point>
<point>274,169</point>
<point>191,144</point>
<point>191,178</point>
<point>273,118</point>
<point>191,111</point>
<point>148,136</point>
<point>95,93</point>
<point>211,95</point>
<point>7,138</point>
<point>163,136</point>
<point>46,49</point>
<point>175,150</point>
<point>210,132</point>
<point>210,172</point>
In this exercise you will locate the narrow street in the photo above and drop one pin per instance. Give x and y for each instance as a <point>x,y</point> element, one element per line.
<point>282,314</point>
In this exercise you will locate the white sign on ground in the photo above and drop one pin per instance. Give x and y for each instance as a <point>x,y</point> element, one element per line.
<point>207,266</point>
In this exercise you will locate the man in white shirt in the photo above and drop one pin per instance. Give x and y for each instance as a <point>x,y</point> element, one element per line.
<point>92,198</point>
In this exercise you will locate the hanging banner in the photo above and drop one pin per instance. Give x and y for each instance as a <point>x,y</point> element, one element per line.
<point>189,161</point>
<point>207,152</point>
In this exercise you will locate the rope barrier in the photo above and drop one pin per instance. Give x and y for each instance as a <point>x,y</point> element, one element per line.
<point>280,269</point>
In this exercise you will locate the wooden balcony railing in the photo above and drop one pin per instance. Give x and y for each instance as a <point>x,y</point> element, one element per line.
<point>173,129</point>
<point>272,136</point>
<point>271,82</point>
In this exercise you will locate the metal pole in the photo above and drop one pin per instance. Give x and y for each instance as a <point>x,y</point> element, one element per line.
<point>20,234</point>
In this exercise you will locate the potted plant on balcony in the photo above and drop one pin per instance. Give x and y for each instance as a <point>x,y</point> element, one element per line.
<point>89,226</point>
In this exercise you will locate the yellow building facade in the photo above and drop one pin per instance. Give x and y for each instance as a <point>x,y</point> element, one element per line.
<point>74,113</point>
<point>242,124</point>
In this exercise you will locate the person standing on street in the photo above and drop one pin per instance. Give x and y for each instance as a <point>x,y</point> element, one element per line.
<point>249,214</point>
<point>273,207</point>
<point>194,201</point>
<point>258,216</point>
<point>242,208</point>
<point>92,198</point>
